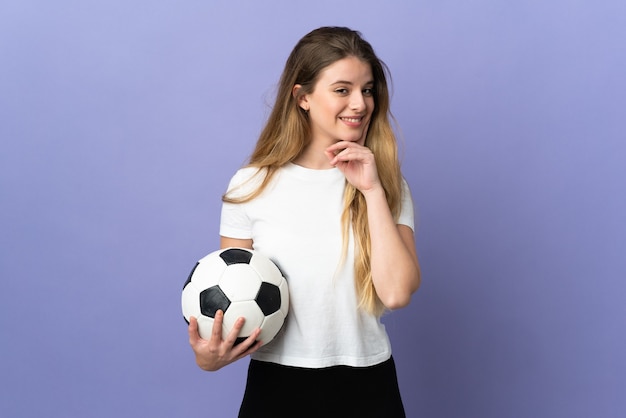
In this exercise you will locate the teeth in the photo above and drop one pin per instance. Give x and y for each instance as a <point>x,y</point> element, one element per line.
<point>353,120</point>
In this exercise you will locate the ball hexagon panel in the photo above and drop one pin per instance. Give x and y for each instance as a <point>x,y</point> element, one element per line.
<point>271,325</point>
<point>240,282</point>
<point>205,326</point>
<point>208,272</point>
<point>248,309</point>
<point>284,302</point>
<point>266,269</point>
<point>190,298</point>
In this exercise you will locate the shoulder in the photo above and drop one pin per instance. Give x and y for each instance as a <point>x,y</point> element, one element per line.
<point>245,182</point>
<point>245,176</point>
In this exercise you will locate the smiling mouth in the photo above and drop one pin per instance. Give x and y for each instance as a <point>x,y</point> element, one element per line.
<point>352,119</point>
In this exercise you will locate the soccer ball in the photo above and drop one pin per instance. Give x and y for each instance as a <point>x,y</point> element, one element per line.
<point>242,283</point>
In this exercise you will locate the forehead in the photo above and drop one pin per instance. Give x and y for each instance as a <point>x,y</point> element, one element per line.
<point>349,69</point>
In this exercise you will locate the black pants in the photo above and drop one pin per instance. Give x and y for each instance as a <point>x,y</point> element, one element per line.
<point>278,391</point>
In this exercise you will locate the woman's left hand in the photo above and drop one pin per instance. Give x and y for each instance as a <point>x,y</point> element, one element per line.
<point>356,162</point>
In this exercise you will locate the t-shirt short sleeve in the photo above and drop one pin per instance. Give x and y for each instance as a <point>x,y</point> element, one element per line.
<point>235,222</point>
<point>407,213</point>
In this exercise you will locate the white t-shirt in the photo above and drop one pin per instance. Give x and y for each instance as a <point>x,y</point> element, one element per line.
<point>296,222</point>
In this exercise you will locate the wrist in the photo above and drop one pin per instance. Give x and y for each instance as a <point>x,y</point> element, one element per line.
<point>374,192</point>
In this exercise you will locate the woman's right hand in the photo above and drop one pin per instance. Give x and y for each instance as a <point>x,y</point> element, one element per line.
<point>215,353</point>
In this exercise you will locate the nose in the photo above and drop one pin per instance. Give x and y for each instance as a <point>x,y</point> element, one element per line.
<point>357,101</point>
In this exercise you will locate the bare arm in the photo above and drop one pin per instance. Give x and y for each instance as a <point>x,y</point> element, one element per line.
<point>395,267</point>
<point>226,242</point>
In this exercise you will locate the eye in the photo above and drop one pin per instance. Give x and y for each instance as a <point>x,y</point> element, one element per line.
<point>368,92</point>
<point>342,91</point>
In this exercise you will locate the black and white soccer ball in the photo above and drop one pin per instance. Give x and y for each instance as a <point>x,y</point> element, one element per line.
<point>242,283</point>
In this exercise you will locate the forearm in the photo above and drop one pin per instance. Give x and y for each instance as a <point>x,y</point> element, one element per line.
<point>394,264</point>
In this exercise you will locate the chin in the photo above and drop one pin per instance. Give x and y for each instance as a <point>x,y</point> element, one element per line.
<point>352,138</point>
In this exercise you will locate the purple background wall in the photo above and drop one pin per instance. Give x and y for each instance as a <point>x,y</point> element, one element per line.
<point>121,122</point>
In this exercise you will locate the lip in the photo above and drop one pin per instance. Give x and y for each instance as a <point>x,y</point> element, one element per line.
<point>353,121</point>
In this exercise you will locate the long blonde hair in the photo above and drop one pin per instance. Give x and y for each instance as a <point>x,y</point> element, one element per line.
<point>287,133</point>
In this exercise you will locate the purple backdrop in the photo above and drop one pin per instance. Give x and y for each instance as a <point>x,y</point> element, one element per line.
<point>121,122</point>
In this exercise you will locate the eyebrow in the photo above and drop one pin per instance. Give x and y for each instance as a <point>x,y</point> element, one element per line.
<point>350,83</point>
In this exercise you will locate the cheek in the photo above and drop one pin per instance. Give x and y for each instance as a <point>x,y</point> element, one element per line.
<point>361,141</point>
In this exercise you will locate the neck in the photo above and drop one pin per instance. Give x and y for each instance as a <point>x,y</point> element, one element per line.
<point>314,158</point>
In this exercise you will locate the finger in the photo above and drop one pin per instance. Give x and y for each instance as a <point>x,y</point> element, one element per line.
<point>335,150</point>
<point>330,155</point>
<point>349,155</point>
<point>194,335</point>
<point>340,146</point>
<point>216,330</point>
<point>234,332</point>
<point>250,344</point>
<point>252,339</point>
<point>347,148</point>
<point>361,153</point>
<point>254,347</point>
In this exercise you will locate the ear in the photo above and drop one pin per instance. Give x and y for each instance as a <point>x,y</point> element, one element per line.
<point>301,98</point>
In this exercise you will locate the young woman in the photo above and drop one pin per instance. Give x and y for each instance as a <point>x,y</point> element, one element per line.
<point>324,198</point>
